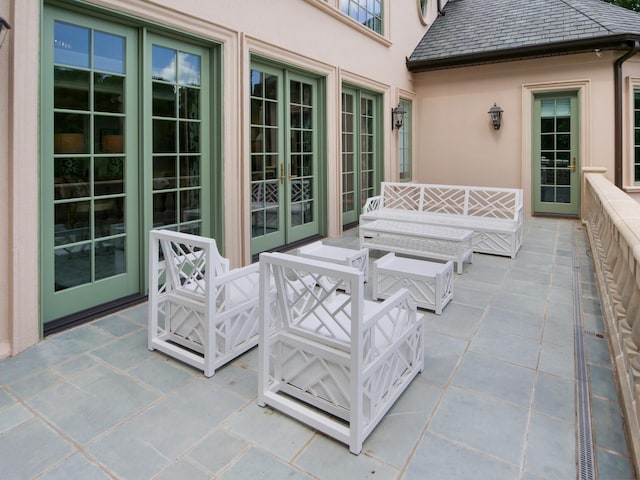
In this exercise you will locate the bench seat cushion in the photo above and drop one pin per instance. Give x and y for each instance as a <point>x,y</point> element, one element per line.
<point>477,224</point>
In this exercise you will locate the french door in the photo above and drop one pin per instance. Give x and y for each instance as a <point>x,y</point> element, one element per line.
<point>123,150</point>
<point>284,165</point>
<point>360,151</point>
<point>556,159</point>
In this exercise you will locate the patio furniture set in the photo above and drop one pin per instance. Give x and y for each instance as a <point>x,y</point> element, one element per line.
<point>327,356</point>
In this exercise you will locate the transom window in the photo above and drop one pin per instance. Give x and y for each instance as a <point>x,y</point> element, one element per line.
<point>366,12</point>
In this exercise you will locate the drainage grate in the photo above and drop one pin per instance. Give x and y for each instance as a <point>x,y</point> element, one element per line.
<point>586,467</point>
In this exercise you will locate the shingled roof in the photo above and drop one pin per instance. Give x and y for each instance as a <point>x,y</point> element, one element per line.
<point>487,31</point>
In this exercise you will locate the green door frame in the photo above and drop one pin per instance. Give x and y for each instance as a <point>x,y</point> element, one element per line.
<point>138,148</point>
<point>362,170</point>
<point>556,156</point>
<point>277,170</point>
<point>66,300</point>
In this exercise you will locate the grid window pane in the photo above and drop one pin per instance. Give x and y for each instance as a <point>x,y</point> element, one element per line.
<point>366,12</point>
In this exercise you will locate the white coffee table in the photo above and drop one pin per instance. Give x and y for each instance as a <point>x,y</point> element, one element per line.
<point>430,283</point>
<point>428,241</point>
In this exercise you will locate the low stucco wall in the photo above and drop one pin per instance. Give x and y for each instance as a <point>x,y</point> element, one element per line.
<point>613,224</point>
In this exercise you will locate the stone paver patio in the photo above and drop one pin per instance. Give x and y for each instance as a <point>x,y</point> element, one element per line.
<point>496,399</point>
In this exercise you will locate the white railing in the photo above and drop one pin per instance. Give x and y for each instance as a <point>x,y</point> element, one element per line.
<point>613,223</point>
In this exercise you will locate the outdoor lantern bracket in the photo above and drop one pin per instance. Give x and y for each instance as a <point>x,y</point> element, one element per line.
<point>496,116</point>
<point>4,29</point>
<point>397,117</point>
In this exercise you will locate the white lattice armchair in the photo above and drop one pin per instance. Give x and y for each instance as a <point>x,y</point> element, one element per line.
<point>332,360</point>
<point>200,311</point>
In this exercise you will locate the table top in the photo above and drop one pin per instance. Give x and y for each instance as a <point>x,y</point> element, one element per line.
<point>418,229</point>
<point>326,252</point>
<point>412,265</point>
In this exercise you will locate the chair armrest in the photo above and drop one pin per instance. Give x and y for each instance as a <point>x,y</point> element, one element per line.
<point>237,287</point>
<point>373,204</point>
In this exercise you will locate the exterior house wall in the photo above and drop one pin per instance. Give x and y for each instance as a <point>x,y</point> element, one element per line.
<point>457,144</point>
<point>305,34</point>
<point>5,12</point>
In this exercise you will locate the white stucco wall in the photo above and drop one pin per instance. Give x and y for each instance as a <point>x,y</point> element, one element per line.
<point>303,33</point>
<point>5,344</point>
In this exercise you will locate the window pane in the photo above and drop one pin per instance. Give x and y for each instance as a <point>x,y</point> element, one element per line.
<point>164,100</point>
<point>108,52</point>
<point>108,93</point>
<point>71,177</point>
<point>188,69</point>
<point>71,89</point>
<point>71,45</point>
<point>71,133</point>
<point>163,64</point>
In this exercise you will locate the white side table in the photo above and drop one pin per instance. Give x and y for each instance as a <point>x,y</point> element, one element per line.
<point>344,256</point>
<point>430,283</point>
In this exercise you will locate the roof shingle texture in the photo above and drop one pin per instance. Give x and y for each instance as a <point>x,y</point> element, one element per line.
<point>480,26</point>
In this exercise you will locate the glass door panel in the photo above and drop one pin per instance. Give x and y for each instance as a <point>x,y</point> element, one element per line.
<point>302,164</point>
<point>360,151</point>
<point>267,165</point>
<point>89,168</point>
<point>367,149</point>
<point>177,143</point>
<point>349,210</point>
<point>284,184</point>
<point>556,170</point>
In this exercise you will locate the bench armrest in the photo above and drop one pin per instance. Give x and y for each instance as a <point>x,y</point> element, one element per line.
<point>373,204</point>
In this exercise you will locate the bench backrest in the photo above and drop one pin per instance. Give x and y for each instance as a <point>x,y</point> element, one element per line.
<point>489,202</point>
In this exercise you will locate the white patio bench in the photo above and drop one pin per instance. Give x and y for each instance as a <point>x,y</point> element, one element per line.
<point>200,311</point>
<point>495,215</point>
<point>332,360</point>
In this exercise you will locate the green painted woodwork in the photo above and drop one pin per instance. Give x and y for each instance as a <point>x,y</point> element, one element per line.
<point>361,146</point>
<point>128,144</point>
<point>555,156</point>
<point>286,157</point>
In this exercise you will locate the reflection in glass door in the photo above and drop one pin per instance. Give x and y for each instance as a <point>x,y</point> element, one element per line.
<point>284,183</point>
<point>177,142</point>
<point>556,163</point>
<point>88,171</point>
<point>360,151</point>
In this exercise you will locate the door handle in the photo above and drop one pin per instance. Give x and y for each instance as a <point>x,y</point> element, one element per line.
<point>573,164</point>
<point>282,173</point>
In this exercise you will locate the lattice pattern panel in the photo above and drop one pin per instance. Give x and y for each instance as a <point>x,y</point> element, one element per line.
<point>443,200</point>
<point>492,204</point>
<point>325,381</point>
<point>402,197</point>
<point>311,304</point>
<point>422,290</point>
<point>386,378</point>
<point>237,330</point>
<point>494,243</point>
<point>184,267</point>
<point>185,324</point>
<point>385,331</point>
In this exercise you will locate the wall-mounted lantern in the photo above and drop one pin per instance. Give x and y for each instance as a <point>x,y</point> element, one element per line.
<point>4,29</point>
<point>496,116</point>
<point>397,117</point>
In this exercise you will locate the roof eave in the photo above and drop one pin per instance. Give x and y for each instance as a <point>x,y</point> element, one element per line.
<point>523,53</point>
